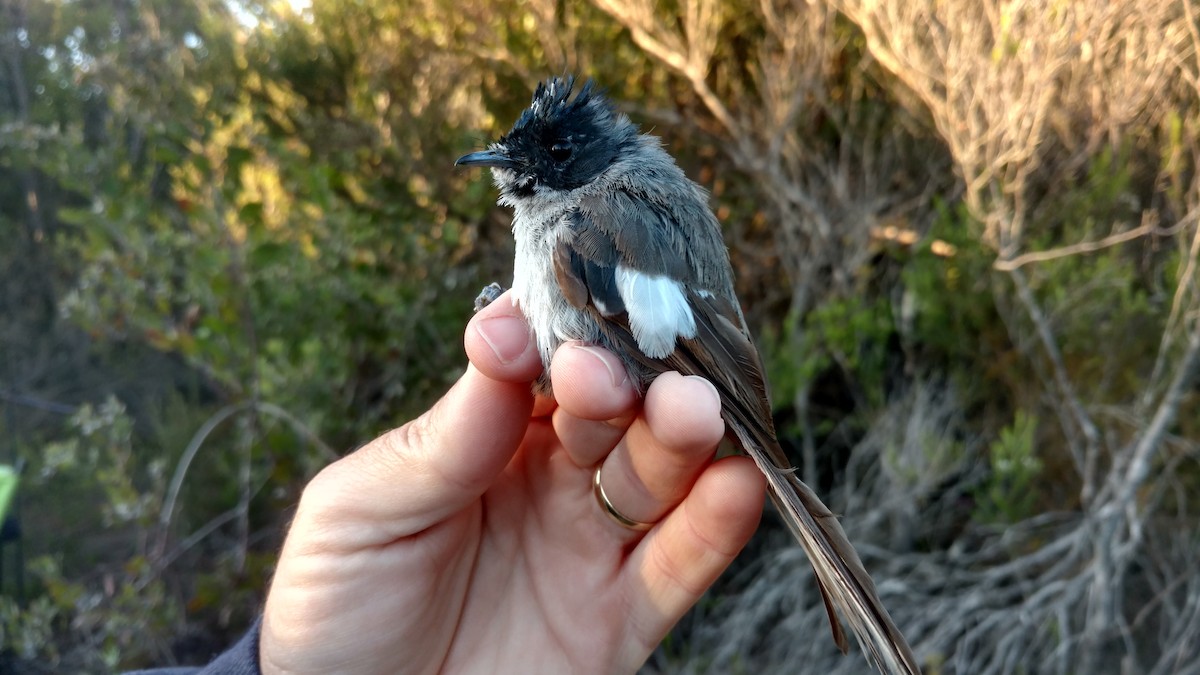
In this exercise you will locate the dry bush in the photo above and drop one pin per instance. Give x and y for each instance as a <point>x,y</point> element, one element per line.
<point>829,158</point>
<point>1023,93</point>
<point>1025,97</point>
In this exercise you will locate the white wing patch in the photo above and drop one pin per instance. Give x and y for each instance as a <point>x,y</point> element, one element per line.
<point>658,310</point>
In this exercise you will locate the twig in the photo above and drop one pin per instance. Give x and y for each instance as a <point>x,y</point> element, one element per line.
<point>181,468</point>
<point>161,563</point>
<point>197,441</point>
<point>1148,227</point>
<point>669,48</point>
<point>1085,462</point>
<point>1186,283</point>
<point>1168,409</point>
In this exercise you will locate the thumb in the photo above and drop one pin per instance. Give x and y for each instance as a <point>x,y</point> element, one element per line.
<point>418,475</point>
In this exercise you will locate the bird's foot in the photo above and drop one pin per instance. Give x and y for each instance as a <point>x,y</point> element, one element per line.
<point>488,295</point>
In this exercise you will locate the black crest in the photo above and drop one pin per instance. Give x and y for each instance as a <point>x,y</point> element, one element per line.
<point>552,101</point>
<point>563,141</point>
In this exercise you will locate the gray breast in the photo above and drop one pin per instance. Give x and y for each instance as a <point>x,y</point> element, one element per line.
<point>537,293</point>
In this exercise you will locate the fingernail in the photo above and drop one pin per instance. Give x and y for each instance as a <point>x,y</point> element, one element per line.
<point>710,385</point>
<point>508,337</point>
<point>617,374</point>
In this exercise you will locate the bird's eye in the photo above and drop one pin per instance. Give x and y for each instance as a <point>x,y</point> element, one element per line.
<point>561,151</point>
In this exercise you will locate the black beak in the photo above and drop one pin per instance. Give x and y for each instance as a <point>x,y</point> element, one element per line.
<point>487,158</point>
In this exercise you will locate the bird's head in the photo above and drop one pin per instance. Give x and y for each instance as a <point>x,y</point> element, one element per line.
<point>558,144</point>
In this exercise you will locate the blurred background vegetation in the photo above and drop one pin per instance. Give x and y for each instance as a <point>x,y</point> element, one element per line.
<point>233,246</point>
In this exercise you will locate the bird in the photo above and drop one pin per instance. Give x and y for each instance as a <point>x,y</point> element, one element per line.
<point>617,247</point>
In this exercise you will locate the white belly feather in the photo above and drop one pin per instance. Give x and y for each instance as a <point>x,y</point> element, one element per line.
<point>536,292</point>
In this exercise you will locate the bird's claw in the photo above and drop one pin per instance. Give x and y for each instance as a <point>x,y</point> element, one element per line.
<point>488,295</point>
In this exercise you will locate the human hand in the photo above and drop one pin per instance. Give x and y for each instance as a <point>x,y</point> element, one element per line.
<point>469,539</point>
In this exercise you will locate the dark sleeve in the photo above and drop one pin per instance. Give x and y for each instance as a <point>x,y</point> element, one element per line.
<point>240,659</point>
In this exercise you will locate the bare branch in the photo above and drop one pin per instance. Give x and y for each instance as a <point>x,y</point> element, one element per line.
<point>688,55</point>
<point>1148,227</point>
<point>1168,409</point>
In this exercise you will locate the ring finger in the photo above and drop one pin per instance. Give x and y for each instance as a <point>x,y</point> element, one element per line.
<point>660,453</point>
<point>666,448</point>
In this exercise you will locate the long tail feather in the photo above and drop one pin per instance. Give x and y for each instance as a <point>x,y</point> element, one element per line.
<point>843,580</point>
<point>723,352</point>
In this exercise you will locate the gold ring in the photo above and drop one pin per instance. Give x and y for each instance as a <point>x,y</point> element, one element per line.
<point>612,512</point>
